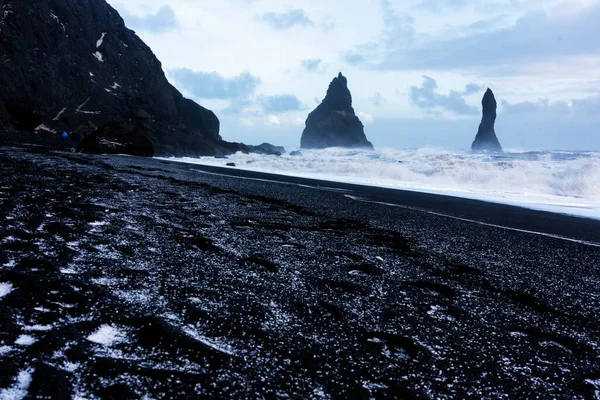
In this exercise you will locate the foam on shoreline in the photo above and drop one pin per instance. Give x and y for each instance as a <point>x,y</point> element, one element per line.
<point>555,181</point>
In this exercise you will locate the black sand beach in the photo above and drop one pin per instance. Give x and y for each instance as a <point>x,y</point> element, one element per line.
<point>130,277</point>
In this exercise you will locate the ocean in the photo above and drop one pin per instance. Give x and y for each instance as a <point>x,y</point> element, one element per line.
<point>557,181</point>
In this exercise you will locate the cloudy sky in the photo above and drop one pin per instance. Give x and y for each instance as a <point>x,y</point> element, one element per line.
<point>417,69</point>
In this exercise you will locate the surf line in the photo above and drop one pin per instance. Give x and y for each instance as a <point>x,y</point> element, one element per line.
<point>593,244</point>
<point>323,188</point>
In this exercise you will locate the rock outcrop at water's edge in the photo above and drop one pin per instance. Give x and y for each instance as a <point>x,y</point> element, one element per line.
<point>69,65</point>
<point>267,149</point>
<point>333,123</point>
<point>486,139</point>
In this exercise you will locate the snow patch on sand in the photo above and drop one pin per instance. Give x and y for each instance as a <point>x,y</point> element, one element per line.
<point>518,334</point>
<point>374,386</point>
<point>98,223</point>
<point>596,384</point>
<point>550,343</point>
<point>5,288</point>
<point>437,311</point>
<point>69,271</point>
<point>4,350</point>
<point>19,390</point>
<point>280,319</point>
<point>108,335</point>
<point>71,367</point>
<point>213,343</point>
<point>38,328</point>
<point>25,340</point>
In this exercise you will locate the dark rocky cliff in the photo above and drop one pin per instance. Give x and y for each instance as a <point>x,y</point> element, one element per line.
<point>73,65</point>
<point>333,123</point>
<point>486,139</point>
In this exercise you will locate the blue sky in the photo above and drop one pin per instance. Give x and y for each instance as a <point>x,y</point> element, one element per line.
<point>417,69</point>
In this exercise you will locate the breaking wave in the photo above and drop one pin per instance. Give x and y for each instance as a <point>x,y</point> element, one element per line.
<point>542,179</point>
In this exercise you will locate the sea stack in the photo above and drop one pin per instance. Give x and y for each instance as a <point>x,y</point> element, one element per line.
<point>333,123</point>
<point>71,65</point>
<point>486,139</point>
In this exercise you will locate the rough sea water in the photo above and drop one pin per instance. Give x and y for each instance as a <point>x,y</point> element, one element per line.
<point>557,181</point>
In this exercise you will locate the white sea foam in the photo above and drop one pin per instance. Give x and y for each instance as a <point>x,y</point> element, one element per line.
<point>558,181</point>
<point>108,335</point>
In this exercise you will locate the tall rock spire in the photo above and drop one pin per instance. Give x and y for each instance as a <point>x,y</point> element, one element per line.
<point>486,139</point>
<point>333,123</point>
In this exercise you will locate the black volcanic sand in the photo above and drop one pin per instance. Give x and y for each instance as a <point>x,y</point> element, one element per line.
<point>137,277</point>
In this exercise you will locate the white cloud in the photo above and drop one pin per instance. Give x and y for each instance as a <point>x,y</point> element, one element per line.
<point>535,36</point>
<point>246,121</point>
<point>367,119</point>
<point>286,20</point>
<point>273,120</point>
<point>428,99</point>
<point>163,20</point>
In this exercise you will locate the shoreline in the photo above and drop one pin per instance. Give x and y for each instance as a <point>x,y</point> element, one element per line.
<point>535,220</point>
<point>572,206</point>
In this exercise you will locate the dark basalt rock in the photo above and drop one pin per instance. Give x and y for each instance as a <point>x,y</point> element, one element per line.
<point>486,139</point>
<point>3,257</point>
<point>296,153</point>
<point>117,138</point>
<point>50,383</point>
<point>69,65</point>
<point>333,123</point>
<point>267,149</point>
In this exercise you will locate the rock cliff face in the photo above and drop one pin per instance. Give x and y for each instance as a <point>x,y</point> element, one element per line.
<point>333,123</point>
<point>486,139</point>
<point>73,65</point>
<point>117,138</point>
